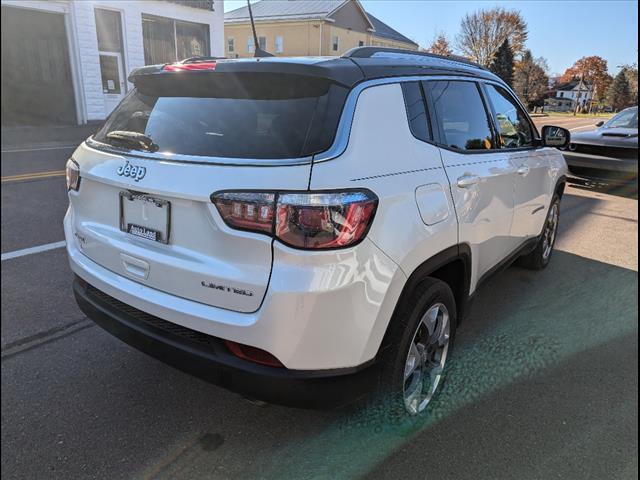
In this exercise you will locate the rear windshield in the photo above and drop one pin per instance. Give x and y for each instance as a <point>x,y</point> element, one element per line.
<point>256,116</point>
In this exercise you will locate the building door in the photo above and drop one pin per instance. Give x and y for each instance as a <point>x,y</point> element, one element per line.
<point>37,86</point>
<point>109,31</point>
<point>112,80</point>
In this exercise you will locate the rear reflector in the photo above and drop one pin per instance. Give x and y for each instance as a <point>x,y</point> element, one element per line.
<point>179,67</point>
<point>252,354</point>
<point>306,220</point>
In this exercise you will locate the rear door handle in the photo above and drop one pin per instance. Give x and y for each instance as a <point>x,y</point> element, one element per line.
<point>467,181</point>
<point>523,170</point>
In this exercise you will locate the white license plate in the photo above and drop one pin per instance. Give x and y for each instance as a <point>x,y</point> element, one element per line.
<point>145,217</point>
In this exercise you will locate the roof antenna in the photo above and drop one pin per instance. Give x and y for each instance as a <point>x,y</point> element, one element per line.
<point>258,51</point>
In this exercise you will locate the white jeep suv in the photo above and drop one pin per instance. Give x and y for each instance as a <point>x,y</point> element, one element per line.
<point>308,231</point>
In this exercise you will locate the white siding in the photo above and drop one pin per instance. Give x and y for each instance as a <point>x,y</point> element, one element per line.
<point>132,33</point>
<point>81,20</point>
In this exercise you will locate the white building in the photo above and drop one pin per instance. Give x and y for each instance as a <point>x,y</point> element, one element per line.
<point>67,61</point>
<point>568,94</point>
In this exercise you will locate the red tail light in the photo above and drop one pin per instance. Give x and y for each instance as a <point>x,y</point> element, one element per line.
<point>178,67</point>
<point>246,210</point>
<point>308,220</point>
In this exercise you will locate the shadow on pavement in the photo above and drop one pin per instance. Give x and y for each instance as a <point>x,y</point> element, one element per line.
<point>575,419</point>
<point>543,383</point>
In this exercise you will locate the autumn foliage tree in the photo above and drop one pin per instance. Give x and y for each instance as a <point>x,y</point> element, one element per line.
<point>483,32</point>
<point>440,46</point>
<point>592,70</point>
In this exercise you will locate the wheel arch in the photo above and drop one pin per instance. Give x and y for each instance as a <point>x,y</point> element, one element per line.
<point>561,184</point>
<point>452,266</point>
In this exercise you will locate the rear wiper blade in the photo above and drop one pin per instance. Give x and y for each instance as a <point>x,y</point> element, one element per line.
<point>136,140</point>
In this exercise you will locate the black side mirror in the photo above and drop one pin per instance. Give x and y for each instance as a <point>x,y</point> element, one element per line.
<point>557,137</point>
<point>600,123</point>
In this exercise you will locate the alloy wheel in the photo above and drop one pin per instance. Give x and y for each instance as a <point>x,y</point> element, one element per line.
<point>550,230</point>
<point>426,358</point>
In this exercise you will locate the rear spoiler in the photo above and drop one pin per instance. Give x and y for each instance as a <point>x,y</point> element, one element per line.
<point>340,71</point>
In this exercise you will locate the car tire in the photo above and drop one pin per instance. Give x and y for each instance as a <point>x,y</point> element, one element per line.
<point>417,347</point>
<point>540,257</point>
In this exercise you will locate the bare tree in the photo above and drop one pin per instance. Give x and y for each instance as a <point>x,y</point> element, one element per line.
<point>440,46</point>
<point>482,33</point>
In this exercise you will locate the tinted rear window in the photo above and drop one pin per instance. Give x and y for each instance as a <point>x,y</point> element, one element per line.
<point>416,113</point>
<point>236,116</point>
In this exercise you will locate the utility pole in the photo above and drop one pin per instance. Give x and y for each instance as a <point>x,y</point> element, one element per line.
<point>580,85</point>
<point>575,110</point>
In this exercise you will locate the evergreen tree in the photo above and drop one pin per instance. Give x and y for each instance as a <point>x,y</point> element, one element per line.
<point>530,80</point>
<point>619,93</point>
<point>502,64</point>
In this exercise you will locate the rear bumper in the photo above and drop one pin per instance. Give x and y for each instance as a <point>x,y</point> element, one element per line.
<point>207,357</point>
<point>322,311</point>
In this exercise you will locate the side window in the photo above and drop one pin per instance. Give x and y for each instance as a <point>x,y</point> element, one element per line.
<point>460,114</point>
<point>416,113</point>
<point>513,126</point>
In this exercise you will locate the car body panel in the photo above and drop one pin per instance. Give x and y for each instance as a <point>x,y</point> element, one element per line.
<point>605,149</point>
<point>485,209</point>
<point>533,191</point>
<point>372,160</point>
<point>203,252</point>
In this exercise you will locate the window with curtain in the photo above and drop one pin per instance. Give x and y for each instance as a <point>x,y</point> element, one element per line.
<point>167,40</point>
<point>192,39</point>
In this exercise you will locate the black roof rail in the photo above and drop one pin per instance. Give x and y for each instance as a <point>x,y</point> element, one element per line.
<point>368,52</point>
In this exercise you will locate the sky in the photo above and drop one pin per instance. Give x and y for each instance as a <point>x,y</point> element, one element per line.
<point>560,31</point>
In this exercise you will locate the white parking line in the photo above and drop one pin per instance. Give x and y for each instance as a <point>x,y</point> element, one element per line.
<point>32,250</point>
<point>38,149</point>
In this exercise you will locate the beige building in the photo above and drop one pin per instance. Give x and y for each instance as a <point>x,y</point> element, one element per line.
<point>307,28</point>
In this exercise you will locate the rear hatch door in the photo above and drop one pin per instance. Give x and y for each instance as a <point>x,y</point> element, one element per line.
<point>144,211</point>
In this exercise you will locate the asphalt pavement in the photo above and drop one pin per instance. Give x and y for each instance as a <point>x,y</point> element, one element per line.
<point>543,383</point>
